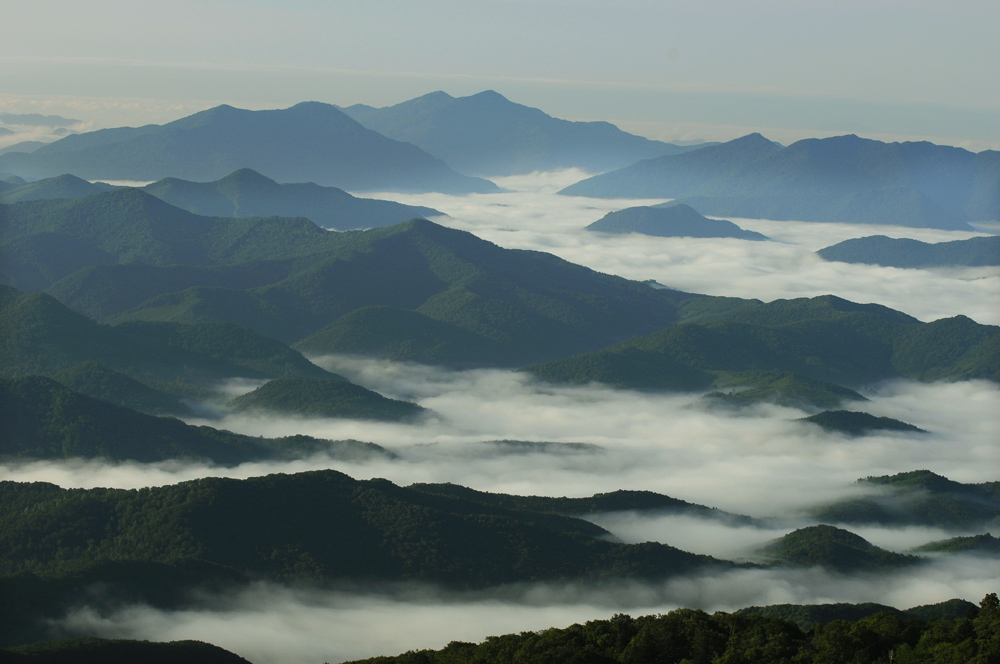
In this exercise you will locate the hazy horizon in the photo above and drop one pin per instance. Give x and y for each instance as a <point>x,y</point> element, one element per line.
<point>713,71</point>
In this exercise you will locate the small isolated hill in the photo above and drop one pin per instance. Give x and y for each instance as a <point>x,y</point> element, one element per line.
<point>309,142</point>
<point>247,193</point>
<point>838,179</point>
<point>918,497</point>
<point>783,389</point>
<point>674,220</point>
<point>487,134</point>
<point>856,423</point>
<point>833,548</point>
<point>984,544</point>
<point>907,253</point>
<point>324,398</point>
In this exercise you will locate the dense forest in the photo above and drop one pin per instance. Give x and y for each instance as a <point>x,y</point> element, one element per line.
<point>688,636</point>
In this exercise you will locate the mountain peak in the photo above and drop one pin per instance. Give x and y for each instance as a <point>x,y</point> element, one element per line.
<point>437,95</point>
<point>247,176</point>
<point>491,95</point>
<point>756,139</point>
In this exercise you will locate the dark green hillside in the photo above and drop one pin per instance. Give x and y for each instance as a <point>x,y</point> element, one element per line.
<point>400,334</point>
<point>918,497</point>
<point>784,389</point>
<point>62,186</point>
<point>97,381</point>
<point>324,398</point>
<point>41,419</point>
<point>41,336</point>
<point>131,226</point>
<point>823,338</point>
<point>246,193</point>
<point>309,142</point>
<point>126,255</point>
<point>833,548</point>
<point>615,501</point>
<point>838,179</point>
<point>103,291</point>
<point>954,348</point>
<point>807,616</point>
<point>980,544</point>
<point>678,220</point>
<point>686,636</point>
<point>907,253</point>
<point>855,423</point>
<point>106,651</point>
<point>486,134</point>
<point>521,304</point>
<point>319,527</point>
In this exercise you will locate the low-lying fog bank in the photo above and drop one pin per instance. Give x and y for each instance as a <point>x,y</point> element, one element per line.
<point>532,216</point>
<point>759,461</point>
<point>270,624</point>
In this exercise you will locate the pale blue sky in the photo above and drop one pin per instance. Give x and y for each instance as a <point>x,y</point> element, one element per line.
<point>677,69</point>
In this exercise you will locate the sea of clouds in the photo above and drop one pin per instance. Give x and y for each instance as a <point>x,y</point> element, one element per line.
<point>759,461</point>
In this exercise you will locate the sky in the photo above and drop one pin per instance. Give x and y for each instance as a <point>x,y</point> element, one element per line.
<point>891,69</point>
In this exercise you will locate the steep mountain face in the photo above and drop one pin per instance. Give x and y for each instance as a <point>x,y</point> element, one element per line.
<point>416,290</point>
<point>309,142</point>
<point>671,221</point>
<point>907,253</point>
<point>486,134</point>
<point>840,179</point>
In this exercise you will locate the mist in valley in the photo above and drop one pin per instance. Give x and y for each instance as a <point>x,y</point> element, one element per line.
<point>269,623</point>
<point>530,215</point>
<point>758,461</point>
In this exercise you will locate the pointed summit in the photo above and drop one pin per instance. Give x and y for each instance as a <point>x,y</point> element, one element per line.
<point>488,134</point>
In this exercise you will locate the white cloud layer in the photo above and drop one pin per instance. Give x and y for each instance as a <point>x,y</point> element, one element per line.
<point>272,624</point>
<point>758,461</point>
<point>532,216</point>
